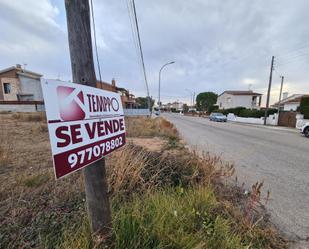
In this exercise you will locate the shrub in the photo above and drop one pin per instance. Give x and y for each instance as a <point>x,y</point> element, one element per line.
<point>247,113</point>
<point>235,110</point>
<point>212,108</point>
<point>304,107</point>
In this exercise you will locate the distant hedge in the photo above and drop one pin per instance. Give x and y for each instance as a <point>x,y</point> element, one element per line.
<point>247,113</point>
<point>304,107</point>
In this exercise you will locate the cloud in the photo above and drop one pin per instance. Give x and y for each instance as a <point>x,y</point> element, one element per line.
<point>249,81</point>
<point>216,46</point>
<point>33,36</point>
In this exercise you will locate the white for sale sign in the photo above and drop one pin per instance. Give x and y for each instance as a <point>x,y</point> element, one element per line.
<point>84,124</point>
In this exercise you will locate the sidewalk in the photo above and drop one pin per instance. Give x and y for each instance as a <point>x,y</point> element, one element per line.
<point>272,127</point>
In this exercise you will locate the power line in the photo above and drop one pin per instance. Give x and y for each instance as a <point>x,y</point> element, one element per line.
<point>295,60</point>
<point>95,41</point>
<point>134,36</point>
<point>296,55</point>
<point>290,52</point>
<point>293,56</point>
<point>131,24</point>
<point>137,37</point>
<point>140,45</point>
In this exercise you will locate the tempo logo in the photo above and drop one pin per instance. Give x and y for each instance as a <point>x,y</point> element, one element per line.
<point>71,103</point>
<point>84,124</point>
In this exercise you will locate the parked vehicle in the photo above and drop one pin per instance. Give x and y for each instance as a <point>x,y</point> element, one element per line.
<point>305,129</point>
<point>217,116</point>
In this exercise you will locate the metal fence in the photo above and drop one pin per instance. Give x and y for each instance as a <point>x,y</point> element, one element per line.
<point>136,112</point>
<point>38,106</point>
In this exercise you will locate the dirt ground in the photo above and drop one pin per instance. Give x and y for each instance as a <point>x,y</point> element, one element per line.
<point>25,147</point>
<point>151,144</point>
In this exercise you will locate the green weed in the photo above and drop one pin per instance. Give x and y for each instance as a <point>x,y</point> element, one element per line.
<point>174,218</point>
<point>36,180</point>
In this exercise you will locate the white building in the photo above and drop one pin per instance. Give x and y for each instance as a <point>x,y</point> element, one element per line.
<point>175,105</point>
<point>290,103</point>
<point>232,99</point>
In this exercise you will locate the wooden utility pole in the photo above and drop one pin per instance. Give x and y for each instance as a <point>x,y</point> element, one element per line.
<point>96,188</point>
<point>269,88</point>
<point>279,103</point>
<point>282,79</point>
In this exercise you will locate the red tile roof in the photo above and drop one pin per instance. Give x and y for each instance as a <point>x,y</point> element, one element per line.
<point>242,93</point>
<point>295,98</point>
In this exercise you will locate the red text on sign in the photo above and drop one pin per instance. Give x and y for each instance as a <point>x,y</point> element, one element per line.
<point>71,134</point>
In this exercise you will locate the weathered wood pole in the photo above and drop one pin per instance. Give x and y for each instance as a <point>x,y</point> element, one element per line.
<point>96,187</point>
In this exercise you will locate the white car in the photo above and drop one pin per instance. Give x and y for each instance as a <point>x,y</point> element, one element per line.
<point>305,129</point>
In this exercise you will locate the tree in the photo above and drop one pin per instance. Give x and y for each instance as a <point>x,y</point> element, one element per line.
<point>205,101</point>
<point>304,107</point>
<point>142,102</point>
<point>185,108</point>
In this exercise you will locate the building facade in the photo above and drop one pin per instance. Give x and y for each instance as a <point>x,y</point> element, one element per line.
<point>178,106</point>
<point>290,103</point>
<point>128,99</point>
<point>232,99</point>
<point>17,84</point>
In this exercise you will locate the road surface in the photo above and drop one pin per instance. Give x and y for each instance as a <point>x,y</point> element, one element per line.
<point>280,157</point>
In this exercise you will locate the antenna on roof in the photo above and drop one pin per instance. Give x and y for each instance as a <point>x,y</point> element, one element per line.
<point>25,64</point>
<point>249,87</point>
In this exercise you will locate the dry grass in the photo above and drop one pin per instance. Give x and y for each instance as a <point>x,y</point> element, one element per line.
<point>5,148</point>
<point>33,117</point>
<point>38,212</point>
<point>138,171</point>
<point>147,127</point>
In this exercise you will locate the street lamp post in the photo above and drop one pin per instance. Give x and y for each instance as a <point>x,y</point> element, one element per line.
<point>159,97</point>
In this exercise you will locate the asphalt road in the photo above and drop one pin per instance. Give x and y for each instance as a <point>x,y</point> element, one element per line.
<point>280,157</point>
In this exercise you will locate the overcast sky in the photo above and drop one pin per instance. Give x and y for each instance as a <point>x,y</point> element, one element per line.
<point>217,45</point>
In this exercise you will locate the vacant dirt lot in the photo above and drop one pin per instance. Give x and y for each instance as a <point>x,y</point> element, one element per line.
<point>38,212</point>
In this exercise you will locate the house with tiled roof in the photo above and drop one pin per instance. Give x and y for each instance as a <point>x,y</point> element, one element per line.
<point>232,99</point>
<point>290,103</point>
<point>18,84</point>
<point>128,99</point>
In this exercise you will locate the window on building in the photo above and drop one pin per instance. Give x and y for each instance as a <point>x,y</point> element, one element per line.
<point>229,100</point>
<point>7,88</point>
